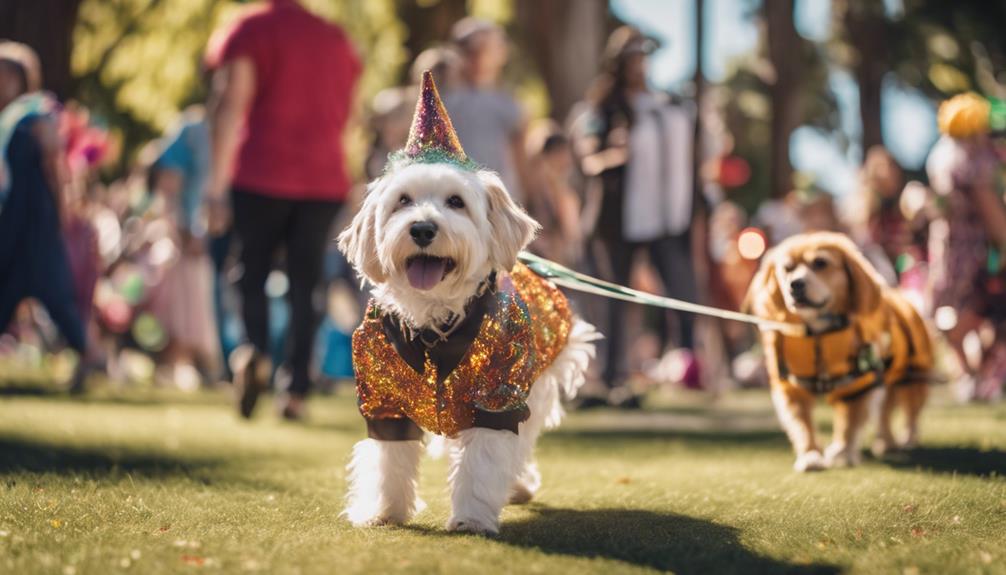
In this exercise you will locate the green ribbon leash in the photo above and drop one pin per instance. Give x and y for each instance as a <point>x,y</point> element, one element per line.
<point>563,276</point>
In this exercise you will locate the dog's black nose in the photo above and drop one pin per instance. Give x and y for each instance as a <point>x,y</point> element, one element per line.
<point>423,233</point>
<point>798,286</point>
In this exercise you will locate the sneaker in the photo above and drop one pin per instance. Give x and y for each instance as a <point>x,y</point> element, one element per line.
<point>293,407</point>
<point>251,378</point>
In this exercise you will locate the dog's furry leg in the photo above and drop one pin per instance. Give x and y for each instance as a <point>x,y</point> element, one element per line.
<point>484,465</point>
<point>885,441</point>
<point>382,482</point>
<point>795,416</point>
<point>543,400</point>
<point>566,375</point>
<point>850,416</point>
<point>913,398</point>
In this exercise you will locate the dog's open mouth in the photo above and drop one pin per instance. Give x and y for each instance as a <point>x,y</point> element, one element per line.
<point>806,303</point>
<point>425,272</point>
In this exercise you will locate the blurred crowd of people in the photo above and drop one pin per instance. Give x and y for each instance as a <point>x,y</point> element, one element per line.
<point>214,255</point>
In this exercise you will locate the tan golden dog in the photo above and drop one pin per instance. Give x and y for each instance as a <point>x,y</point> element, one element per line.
<point>862,338</point>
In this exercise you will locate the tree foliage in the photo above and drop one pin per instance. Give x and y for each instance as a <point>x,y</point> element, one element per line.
<point>138,62</point>
<point>746,100</point>
<point>944,48</point>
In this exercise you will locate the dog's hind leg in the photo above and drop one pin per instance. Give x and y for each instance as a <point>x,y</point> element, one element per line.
<point>484,465</point>
<point>564,376</point>
<point>543,400</point>
<point>850,416</point>
<point>383,477</point>
<point>912,398</point>
<point>885,440</point>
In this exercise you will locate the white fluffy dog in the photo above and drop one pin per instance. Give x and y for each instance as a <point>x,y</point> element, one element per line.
<point>427,238</point>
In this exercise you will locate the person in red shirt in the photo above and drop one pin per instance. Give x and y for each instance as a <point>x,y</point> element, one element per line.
<point>283,82</point>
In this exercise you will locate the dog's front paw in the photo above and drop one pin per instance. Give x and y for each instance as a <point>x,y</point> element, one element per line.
<point>361,515</point>
<point>471,525</point>
<point>841,455</point>
<point>378,521</point>
<point>809,461</point>
<point>882,447</point>
<point>520,495</point>
<point>368,516</point>
<point>910,442</point>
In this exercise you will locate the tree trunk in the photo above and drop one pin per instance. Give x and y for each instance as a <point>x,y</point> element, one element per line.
<point>868,30</point>
<point>47,26</point>
<point>785,53</point>
<point>429,24</point>
<point>565,38</point>
<point>699,80</point>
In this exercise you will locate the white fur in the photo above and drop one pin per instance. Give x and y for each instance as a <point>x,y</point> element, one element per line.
<point>840,454</point>
<point>484,465</point>
<point>487,467</point>
<point>486,234</point>
<point>565,376</point>
<point>382,479</point>
<point>810,460</point>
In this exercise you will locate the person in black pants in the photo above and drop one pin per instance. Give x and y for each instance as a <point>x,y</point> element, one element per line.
<point>263,225</point>
<point>283,82</point>
<point>33,258</point>
<point>637,145</point>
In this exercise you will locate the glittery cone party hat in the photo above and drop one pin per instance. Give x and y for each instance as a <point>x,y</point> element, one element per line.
<point>432,139</point>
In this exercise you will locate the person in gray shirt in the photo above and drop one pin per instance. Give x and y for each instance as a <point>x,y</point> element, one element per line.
<point>489,122</point>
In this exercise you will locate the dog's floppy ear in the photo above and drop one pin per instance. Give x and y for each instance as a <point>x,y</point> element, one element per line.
<point>358,241</point>
<point>512,228</point>
<point>764,298</point>
<point>865,282</point>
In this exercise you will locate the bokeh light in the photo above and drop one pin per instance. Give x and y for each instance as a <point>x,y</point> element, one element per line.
<point>945,318</point>
<point>751,243</point>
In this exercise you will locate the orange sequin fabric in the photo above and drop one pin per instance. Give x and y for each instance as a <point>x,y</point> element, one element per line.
<point>515,343</point>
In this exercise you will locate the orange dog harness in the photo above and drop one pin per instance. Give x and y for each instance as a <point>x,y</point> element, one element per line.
<point>837,362</point>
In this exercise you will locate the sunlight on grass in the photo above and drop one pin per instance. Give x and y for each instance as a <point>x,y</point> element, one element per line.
<point>156,482</point>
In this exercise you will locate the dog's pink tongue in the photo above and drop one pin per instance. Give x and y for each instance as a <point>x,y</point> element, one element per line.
<point>424,273</point>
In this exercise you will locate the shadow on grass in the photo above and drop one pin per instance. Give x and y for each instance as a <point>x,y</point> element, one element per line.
<point>128,397</point>
<point>949,459</point>
<point>29,390</point>
<point>351,425</point>
<point>22,455</point>
<point>742,439</point>
<point>663,541</point>
<point>712,411</point>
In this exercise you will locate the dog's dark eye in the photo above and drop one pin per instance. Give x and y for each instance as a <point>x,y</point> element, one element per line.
<point>455,202</point>
<point>819,264</point>
<point>405,200</point>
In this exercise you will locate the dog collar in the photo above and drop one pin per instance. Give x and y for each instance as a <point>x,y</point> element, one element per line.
<point>835,323</point>
<point>430,336</point>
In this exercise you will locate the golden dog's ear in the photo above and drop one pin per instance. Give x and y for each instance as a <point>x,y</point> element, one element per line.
<point>512,228</point>
<point>358,242</point>
<point>764,298</point>
<point>865,282</point>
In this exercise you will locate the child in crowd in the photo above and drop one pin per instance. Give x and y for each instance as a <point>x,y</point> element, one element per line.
<point>184,300</point>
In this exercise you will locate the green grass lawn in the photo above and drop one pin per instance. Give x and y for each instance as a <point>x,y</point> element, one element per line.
<point>152,483</point>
